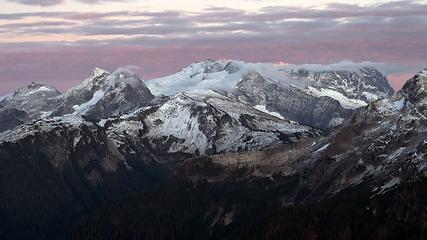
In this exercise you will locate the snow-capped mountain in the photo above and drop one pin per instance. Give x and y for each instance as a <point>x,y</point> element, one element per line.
<point>103,94</point>
<point>25,104</point>
<point>31,99</point>
<point>203,122</point>
<point>302,85</point>
<point>352,86</point>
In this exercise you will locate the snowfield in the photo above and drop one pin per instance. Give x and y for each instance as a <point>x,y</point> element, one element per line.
<point>319,80</point>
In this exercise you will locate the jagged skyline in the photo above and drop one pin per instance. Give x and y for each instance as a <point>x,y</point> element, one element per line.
<point>57,42</point>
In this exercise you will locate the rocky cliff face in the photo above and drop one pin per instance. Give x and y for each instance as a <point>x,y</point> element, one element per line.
<point>293,103</point>
<point>11,118</point>
<point>366,83</point>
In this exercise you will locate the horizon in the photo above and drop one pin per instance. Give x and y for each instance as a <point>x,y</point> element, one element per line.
<point>338,66</point>
<point>58,42</point>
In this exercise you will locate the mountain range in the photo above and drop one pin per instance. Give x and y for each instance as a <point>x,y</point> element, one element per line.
<point>220,150</point>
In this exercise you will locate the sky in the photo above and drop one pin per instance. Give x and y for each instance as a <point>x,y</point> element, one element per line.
<point>58,42</point>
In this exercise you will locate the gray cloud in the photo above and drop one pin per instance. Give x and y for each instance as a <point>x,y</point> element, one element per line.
<point>38,2</point>
<point>20,16</point>
<point>57,2</point>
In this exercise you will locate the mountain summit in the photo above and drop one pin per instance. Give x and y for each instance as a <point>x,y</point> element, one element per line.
<point>415,88</point>
<point>31,99</point>
<point>104,94</point>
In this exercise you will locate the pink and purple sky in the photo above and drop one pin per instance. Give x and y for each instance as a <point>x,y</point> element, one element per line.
<point>58,42</point>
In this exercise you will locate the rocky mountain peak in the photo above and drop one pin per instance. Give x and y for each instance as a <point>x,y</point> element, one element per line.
<point>30,98</point>
<point>376,79</point>
<point>125,76</point>
<point>37,89</point>
<point>103,94</point>
<point>416,88</point>
<point>252,76</point>
<point>100,79</point>
<point>211,66</point>
<point>97,72</point>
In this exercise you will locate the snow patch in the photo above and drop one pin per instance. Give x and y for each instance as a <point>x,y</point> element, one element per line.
<point>370,96</point>
<point>385,106</point>
<point>70,119</point>
<point>323,148</point>
<point>177,120</point>
<point>399,104</point>
<point>345,102</point>
<point>263,108</point>
<point>102,122</point>
<point>396,154</point>
<point>77,140</point>
<point>40,89</point>
<point>7,96</point>
<point>83,108</point>
<point>45,114</point>
<point>130,127</point>
<point>336,121</point>
<point>395,181</point>
<point>423,73</point>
